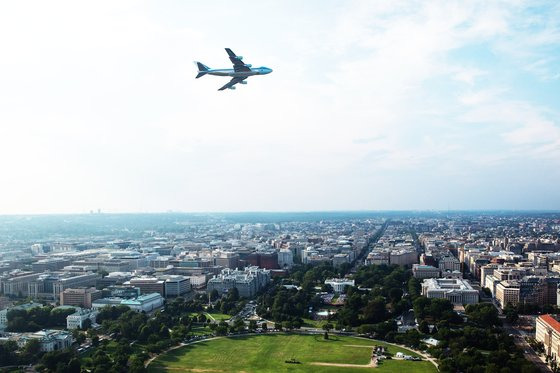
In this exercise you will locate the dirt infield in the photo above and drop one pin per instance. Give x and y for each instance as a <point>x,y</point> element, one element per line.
<point>372,364</point>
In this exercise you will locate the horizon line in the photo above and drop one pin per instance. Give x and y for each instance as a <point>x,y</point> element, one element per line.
<point>97,213</point>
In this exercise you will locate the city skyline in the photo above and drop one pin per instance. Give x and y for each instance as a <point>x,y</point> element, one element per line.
<point>371,107</point>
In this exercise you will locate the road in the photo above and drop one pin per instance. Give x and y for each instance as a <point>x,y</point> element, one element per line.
<point>528,352</point>
<point>360,258</point>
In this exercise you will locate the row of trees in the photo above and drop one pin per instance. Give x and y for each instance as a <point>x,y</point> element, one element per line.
<point>37,318</point>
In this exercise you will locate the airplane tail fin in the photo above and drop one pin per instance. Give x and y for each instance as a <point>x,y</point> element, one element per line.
<point>202,69</point>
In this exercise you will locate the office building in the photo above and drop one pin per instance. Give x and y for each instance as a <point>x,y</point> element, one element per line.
<point>421,271</point>
<point>547,332</point>
<point>144,303</point>
<point>176,285</point>
<point>81,297</point>
<point>457,291</point>
<point>248,281</point>
<point>148,285</point>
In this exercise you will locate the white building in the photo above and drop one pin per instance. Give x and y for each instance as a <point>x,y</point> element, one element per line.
<point>339,284</point>
<point>247,282</point>
<point>198,281</point>
<point>457,291</point>
<point>50,340</point>
<point>176,285</point>
<point>76,320</point>
<point>404,256</point>
<point>144,303</point>
<point>449,263</point>
<point>285,258</point>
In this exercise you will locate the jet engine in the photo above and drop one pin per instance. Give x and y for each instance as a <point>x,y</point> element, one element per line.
<point>248,65</point>
<point>239,58</point>
<point>232,87</point>
<point>243,82</point>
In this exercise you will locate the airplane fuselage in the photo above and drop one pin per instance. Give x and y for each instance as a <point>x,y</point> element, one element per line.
<point>240,74</point>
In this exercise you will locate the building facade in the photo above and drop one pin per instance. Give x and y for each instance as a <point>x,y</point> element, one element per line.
<point>82,297</point>
<point>547,331</point>
<point>247,282</point>
<point>339,284</point>
<point>457,291</point>
<point>78,320</point>
<point>421,271</point>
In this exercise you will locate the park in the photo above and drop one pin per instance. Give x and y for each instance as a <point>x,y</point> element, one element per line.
<point>287,353</point>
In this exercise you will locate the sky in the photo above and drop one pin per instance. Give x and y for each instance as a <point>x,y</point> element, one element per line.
<point>372,105</point>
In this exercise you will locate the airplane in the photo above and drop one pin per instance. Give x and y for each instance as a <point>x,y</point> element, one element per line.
<point>240,72</point>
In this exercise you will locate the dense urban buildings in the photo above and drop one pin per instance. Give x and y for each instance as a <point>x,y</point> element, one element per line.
<point>502,260</point>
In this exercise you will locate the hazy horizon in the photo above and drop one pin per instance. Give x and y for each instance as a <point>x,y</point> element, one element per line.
<point>280,212</point>
<point>372,106</point>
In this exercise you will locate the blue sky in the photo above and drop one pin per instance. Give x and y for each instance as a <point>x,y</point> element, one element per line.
<point>371,105</point>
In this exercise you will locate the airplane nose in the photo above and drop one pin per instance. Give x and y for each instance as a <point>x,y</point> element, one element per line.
<point>269,71</point>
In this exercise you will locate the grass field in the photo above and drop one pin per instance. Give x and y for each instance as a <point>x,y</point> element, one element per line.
<point>212,316</point>
<point>268,353</point>
<point>218,316</point>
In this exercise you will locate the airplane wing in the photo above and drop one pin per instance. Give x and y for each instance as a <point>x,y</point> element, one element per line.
<point>238,65</point>
<point>232,82</point>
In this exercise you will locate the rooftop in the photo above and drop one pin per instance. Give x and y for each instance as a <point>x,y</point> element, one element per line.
<point>551,321</point>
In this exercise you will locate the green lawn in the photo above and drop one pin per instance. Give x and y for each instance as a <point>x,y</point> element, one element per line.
<point>200,330</point>
<point>218,316</point>
<point>314,323</point>
<point>267,353</point>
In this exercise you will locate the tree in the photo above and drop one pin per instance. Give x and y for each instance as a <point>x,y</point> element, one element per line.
<point>395,294</point>
<point>483,314</point>
<point>101,362</point>
<point>86,324</point>
<point>214,295</point>
<point>32,347</point>
<point>414,287</point>
<point>239,325</point>
<point>74,366</point>
<point>8,353</point>
<point>326,327</point>
<point>233,295</point>
<point>136,364</point>
<point>252,325</point>
<point>375,311</point>
<point>423,327</point>
<point>201,318</point>
<point>287,325</point>
<point>18,324</point>
<point>511,314</point>
<point>103,273</point>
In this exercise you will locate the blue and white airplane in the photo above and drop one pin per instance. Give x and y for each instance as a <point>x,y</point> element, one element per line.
<point>239,73</point>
